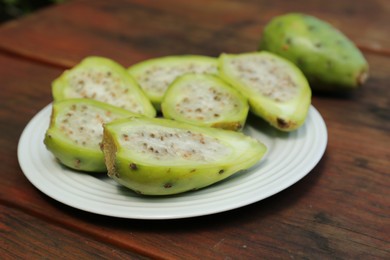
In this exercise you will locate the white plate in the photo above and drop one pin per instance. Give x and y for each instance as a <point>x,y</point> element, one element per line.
<point>289,158</point>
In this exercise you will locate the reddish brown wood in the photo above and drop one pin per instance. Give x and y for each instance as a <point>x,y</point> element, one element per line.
<point>340,210</point>
<point>26,237</point>
<point>130,31</point>
<point>322,215</point>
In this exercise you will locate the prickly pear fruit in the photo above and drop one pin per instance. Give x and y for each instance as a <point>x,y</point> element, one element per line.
<point>157,156</point>
<point>205,100</point>
<point>155,75</point>
<point>76,131</point>
<point>329,60</point>
<point>276,89</point>
<point>104,80</point>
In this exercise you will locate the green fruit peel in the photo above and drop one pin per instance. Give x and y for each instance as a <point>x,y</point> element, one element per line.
<point>156,156</point>
<point>330,61</point>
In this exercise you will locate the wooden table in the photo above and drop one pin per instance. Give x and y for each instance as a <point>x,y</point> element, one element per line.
<point>339,210</point>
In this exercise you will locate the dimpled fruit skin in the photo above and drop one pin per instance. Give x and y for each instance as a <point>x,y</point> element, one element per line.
<point>329,60</point>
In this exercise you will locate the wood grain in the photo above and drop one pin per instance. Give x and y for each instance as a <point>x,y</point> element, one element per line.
<point>339,210</point>
<point>322,215</point>
<point>26,237</point>
<point>130,31</point>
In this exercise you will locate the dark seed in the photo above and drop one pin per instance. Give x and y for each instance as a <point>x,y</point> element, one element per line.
<point>133,166</point>
<point>282,123</point>
<point>168,185</point>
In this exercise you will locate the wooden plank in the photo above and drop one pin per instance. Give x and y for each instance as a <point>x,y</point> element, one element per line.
<point>340,209</point>
<point>26,237</point>
<point>130,31</point>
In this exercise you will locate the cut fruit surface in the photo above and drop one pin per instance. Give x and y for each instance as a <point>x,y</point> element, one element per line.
<point>104,80</point>
<point>76,131</point>
<point>276,89</point>
<point>205,100</point>
<point>155,75</point>
<point>161,156</point>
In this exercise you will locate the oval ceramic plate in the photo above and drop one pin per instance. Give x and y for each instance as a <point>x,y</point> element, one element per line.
<point>289,158</point>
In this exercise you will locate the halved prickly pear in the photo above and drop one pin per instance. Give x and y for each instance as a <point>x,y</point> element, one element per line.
<point>329,60</point>
<point>157,156</point>
<point>155,75</point>
<point>104,80</point>
<point>205,100</point>
<point>276,89</point>
<point>76,131</point>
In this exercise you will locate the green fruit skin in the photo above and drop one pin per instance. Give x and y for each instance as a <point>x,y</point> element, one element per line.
<point>72,156</point>
<point>285,116</point>
<point>329,60</point>
<point>151,177</point>
<point>61,84</point>
<point>68,153</point>
<point>230,120</point>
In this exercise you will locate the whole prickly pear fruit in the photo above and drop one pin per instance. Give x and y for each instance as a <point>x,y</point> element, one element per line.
<point>104,80</point>
<point>205,100</point>
<point>329,60</point>
<point>155,75</point>
<point>76,132</point>
<point>156,156</point>
<point>276,89</point>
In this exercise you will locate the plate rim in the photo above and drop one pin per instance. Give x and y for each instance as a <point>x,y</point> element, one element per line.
<point>313,114</point>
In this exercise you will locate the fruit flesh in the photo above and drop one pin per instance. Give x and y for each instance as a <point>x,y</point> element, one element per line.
<point>155,75</point>
<point>276,89</point>
<point>104,80</point>
<point>329,60</point>
<point>161,157</point>
<point>205,100</point>
<point>75,132</point>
